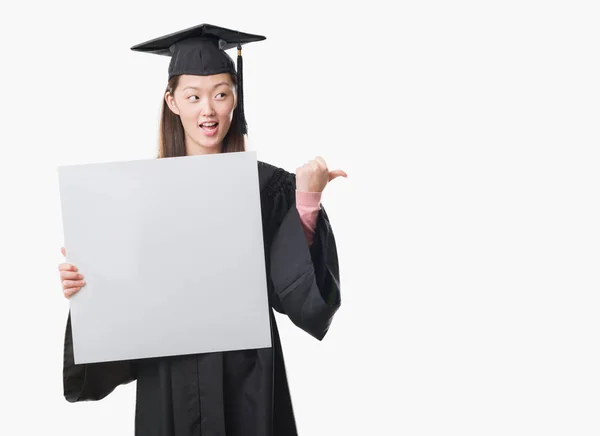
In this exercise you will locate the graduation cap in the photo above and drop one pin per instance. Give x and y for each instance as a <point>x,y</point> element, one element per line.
<point>200,50</point>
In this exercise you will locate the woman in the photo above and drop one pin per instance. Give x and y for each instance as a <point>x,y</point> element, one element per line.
<point>237,392</point>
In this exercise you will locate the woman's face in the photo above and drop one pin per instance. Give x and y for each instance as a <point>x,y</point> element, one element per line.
<point>205,106</point>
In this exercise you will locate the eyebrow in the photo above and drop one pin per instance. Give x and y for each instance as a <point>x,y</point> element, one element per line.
<point>216,86</point>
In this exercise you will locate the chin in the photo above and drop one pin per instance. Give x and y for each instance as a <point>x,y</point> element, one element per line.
<point>209,142</point>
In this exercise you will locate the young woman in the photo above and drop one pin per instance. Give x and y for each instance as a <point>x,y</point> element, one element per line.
<point>238,392</point>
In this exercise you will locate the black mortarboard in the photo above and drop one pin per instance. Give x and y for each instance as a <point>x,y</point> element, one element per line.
<point>200,50</point>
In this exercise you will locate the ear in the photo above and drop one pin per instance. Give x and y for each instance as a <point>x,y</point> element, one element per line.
<point>171,103</point>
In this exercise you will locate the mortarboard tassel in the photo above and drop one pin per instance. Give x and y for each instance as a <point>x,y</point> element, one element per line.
<point>242,116</point>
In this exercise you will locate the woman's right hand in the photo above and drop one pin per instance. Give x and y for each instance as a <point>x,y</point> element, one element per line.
<point>72,280</point>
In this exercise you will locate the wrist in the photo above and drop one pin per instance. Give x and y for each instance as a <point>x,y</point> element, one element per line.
<point>308,199</point>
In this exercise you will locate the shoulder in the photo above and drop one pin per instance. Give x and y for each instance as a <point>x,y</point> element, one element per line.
<point>275,180</point>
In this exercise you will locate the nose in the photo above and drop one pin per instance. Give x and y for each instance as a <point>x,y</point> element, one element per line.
<point>207,109</point>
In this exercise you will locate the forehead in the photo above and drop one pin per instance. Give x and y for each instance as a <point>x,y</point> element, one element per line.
<point>204,82</point>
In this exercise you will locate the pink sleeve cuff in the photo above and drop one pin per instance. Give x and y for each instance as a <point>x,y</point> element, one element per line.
<point>308,205</point>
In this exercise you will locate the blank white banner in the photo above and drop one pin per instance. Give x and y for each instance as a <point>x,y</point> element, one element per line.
<point>172,253</point>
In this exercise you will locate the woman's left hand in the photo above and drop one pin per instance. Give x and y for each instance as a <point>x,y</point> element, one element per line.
<point>313,176</point>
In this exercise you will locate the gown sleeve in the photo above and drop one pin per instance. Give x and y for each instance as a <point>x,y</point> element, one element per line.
<point>305,278</point>
<point>93,381</point>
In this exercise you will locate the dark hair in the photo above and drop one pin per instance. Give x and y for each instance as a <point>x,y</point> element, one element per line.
<point>172,136</point>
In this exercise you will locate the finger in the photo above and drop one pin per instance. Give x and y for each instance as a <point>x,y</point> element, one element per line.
<point>71,275</point>
<point>67,267</point>
<point>69,292</point>
<point>321,162</point>
<point>313,165</point>
<point>66,284</point>
<point>63,251</point>
<point>336,173</point>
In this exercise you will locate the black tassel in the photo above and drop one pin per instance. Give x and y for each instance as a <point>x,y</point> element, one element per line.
<point>241,114</point>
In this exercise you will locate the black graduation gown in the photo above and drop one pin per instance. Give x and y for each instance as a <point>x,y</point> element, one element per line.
<point>238,392</point>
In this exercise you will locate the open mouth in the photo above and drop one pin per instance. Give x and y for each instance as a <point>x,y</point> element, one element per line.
<point>209,127</point>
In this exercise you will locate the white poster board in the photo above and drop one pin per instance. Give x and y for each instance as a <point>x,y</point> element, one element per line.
<point>172,253</point>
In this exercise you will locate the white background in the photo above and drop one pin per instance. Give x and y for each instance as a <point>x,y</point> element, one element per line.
<point>468,228</point>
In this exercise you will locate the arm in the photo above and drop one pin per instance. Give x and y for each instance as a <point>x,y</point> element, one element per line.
<point>94,381</point>
<point>305,278</point>
<point>308,205</point>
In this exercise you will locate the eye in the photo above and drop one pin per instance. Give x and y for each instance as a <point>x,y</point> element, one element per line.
<point>221,95</point>
<point>192,97</point>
